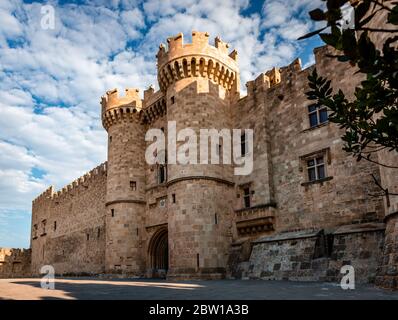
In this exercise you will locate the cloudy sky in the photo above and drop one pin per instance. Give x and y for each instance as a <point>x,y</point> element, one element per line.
<point>51,80</point>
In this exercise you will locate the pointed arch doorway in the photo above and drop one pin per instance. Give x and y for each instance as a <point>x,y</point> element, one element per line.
<point>159,253</point>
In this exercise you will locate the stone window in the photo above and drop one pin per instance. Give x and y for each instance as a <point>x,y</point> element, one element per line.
<point>215,218</point>
<point>43,227</point>
<point>88,236</point>
<point>55,225</point>
<point>172,100</point>
<point>246,197</point>
<point>243,144</point>
<point>110,138</point>
<point>112,212</point>
<point>173,197</point>
<point>317,114</point>
<point>162,174</point>
<point>133,185</point>
<point>316,168</point>
<point>35,229</point>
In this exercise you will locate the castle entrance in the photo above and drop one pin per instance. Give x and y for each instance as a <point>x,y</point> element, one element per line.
<point>159,253</point>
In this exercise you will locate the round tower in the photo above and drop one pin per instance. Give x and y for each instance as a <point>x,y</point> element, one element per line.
<point>125,192</point>
<point>200,82</point>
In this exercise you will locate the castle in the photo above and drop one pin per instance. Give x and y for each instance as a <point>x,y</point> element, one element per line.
<point>303,212</point>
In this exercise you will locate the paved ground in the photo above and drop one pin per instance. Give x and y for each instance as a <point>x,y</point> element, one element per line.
<point>93,288</point>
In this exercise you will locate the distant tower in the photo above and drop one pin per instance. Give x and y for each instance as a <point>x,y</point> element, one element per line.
<point>125,195</point>
<point>200,82</point>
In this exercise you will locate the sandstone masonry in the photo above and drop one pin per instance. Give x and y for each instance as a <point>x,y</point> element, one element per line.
<point>302,213</point>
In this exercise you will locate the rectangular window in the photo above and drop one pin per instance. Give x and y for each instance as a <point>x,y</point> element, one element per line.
<point>246,197</point>
<point>317,114</point>
<point>173,197</point>
<point>133,185</point>
<point>316,168</point>
<point>112,212</point>
<point>43,225</point>
<point>161,174</point>
<point>55,225</point>
<point>243,144</point>
<point>172,100</point>
<point>35,228</point>
<point>88,236</point>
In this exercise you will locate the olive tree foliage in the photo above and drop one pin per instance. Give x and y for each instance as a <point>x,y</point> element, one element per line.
<point>370,119</point>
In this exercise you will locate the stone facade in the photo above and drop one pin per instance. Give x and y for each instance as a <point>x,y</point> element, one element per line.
<point>202,221</point>
<point>15,263</point>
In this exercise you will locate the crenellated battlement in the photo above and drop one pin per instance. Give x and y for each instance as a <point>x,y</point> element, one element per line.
<point>275,76</point>
<point>83,181</point>
<point>112,99</point>
<point>45,195</point>
<point>115,107</point>
<point>197,59</point>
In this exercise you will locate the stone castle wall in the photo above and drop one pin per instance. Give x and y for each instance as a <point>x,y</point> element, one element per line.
<point>115,221</point>
<point>70,232</point>
<point>15,263</point>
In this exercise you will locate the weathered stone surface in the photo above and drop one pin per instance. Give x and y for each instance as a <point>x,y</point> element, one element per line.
<point>122,219</point>
<point>15,263</point>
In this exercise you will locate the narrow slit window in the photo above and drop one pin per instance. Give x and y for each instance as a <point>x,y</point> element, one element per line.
<point>133,185</point>
<point>246,197</point>
<point>243,144</point>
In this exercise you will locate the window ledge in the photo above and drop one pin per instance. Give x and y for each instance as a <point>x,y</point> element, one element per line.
<point>259,206</point>
<point>307,183</point>
<point>316,127</point>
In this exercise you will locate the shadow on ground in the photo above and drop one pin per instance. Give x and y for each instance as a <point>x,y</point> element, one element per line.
<point>148,289</point>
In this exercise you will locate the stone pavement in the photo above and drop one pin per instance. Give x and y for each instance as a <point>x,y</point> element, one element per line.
<point>95,288</point>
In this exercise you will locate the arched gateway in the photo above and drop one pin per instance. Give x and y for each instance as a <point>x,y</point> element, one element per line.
<point>159,253</point>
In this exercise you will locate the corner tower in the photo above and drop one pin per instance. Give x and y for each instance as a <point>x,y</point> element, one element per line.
<point>125,192</point>
<point>200,83</point>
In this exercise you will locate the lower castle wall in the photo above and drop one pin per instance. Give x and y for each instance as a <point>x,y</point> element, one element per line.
<point>15,263</point>
<point>313,257</point>
<point>388,276</point>
<point>72,239</point>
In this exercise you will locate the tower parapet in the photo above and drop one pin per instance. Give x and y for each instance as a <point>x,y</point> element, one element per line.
<point>115,107</point>
<point>197,59</point>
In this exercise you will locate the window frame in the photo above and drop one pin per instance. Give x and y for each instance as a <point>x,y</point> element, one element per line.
<point>317,112</point>
<point>316,167</point>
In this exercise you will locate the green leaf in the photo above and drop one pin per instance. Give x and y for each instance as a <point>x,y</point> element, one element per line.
<point>311,34</point>
<point>317,15</point>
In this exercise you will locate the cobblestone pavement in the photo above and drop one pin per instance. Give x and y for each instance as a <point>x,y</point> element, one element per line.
<point>95,288</point>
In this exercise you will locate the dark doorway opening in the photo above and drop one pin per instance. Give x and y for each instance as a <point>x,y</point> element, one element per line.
<point>159,253</point>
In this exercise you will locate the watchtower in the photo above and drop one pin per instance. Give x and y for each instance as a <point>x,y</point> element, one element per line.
<point>125,194</point>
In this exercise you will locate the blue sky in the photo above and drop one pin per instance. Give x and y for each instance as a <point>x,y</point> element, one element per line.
<point>51,81</point>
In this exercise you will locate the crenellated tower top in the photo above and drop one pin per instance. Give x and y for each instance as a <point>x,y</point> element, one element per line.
<point>115,107</point>
<point>198,59</point>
